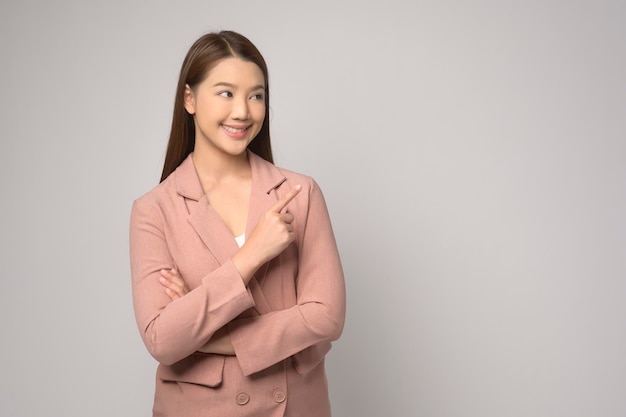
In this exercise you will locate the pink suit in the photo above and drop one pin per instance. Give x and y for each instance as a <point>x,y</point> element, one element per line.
<point>280,325</point>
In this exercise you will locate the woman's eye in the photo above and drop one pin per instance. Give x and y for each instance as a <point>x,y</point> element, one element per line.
<point>225,94</point>
<point>257,97</point>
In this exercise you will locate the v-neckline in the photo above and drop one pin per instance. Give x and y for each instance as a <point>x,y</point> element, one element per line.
<point>204,219</point>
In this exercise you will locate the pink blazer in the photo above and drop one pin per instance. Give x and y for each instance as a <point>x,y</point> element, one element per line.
<point>281,324</point>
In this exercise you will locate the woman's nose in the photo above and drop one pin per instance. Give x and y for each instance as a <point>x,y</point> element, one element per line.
<point>240,110</point>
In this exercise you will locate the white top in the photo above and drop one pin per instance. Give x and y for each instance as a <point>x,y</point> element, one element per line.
<point>241,239</point>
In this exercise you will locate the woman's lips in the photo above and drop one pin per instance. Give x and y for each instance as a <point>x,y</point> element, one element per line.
<point>236,132</point>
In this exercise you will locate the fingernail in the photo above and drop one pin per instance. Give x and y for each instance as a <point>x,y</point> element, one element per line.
<point>162,279</point>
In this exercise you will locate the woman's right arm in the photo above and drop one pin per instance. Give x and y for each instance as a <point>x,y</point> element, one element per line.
<point>175,287</point>
<point>172,330</point>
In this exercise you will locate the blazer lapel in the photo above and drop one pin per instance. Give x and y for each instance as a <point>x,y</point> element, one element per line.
<point>202,218</point>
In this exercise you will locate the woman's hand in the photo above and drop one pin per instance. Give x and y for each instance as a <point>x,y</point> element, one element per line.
<point>269,238</point>
<point>175,286</point>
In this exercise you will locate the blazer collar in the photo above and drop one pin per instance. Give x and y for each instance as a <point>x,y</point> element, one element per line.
<point>265,177</point>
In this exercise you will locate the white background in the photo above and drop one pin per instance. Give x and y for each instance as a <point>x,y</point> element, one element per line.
<point>473,157</point>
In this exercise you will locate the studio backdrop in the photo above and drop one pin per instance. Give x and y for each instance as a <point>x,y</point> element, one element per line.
<point>473,159</point>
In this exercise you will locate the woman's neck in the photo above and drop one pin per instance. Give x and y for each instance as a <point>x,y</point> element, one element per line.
<point>217,167</point>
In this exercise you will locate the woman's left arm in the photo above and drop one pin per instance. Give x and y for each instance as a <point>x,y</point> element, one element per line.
<point>319,313</point>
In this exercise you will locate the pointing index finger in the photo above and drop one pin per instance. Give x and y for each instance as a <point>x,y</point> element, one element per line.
<point>282,203</point>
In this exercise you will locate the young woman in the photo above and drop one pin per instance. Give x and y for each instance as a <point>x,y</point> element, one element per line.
<point>237,285</point>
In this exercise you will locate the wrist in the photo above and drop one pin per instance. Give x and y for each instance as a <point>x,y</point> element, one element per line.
<point>245,263</point>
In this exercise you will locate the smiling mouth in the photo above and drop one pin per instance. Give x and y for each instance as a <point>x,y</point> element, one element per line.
<point>234,130</point>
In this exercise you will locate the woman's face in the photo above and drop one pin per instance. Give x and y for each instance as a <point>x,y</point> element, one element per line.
<point>228,106</point>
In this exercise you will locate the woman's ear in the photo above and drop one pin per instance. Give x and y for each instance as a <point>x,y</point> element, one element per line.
<point>189,100</point>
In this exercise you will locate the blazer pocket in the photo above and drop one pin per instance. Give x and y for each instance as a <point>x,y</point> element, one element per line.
<point>198,368</point>
<point>307,359</point>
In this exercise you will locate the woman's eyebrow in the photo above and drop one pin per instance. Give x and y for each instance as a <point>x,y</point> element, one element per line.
<point>229,85</point>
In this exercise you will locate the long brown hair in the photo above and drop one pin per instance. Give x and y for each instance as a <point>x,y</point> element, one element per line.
<point>202,56</point>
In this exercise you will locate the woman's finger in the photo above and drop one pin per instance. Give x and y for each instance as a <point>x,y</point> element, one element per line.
<point>282,203</point>
<point>175,286</point>
<point>287,218</point>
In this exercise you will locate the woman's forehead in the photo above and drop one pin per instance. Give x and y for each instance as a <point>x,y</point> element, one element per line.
<point>237,72</point>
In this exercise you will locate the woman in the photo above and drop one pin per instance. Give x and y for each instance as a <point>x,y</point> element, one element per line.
<point>237,284</point>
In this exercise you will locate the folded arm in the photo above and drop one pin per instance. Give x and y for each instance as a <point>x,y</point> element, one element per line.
<point>172,330</point>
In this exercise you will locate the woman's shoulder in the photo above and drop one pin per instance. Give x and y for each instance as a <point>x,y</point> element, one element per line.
<point>296,177</point>
<point>158,196</point>
<point>293,178</point>
<point>311,190</point>
<point>274,177</point>
<point>182,181</point>
<point>281,173</point>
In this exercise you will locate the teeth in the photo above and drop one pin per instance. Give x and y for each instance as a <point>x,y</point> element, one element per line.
<point>233,130</point>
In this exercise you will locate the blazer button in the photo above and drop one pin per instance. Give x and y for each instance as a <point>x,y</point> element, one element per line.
<point>243,398</point>
<point>279,396</point>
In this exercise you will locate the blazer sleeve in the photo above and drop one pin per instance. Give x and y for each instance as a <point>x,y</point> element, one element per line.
<point>318,316</point>
<point>172,330</point>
